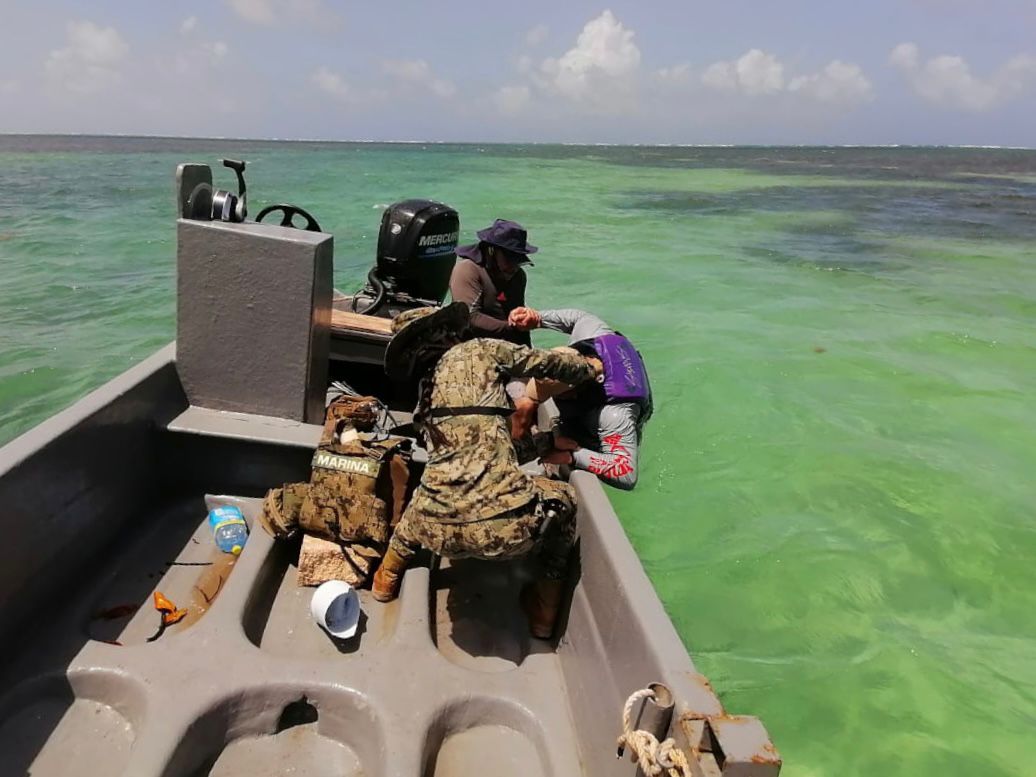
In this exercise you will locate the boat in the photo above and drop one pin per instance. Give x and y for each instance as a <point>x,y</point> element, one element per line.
<point>104,511</point>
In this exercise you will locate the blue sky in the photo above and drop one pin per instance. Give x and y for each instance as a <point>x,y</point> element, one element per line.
<point>655,71</point>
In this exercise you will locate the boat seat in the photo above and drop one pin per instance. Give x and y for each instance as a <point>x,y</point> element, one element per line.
<point>249,427</point>
<point>245,426</point>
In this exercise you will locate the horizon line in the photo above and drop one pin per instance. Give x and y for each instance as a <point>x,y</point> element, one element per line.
<point>370,141</point>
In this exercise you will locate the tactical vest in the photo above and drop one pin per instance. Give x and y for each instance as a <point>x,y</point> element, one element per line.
<point>351,489</point>
<point>357,487</point>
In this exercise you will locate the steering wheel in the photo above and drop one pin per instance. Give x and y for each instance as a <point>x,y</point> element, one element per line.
<point>290,212</point>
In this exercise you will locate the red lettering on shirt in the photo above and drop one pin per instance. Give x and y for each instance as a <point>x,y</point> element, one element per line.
<point>619,466</point>
<point>614,443</point>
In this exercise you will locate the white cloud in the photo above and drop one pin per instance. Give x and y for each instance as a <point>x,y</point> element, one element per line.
<point>905,55</point>
<point>417,72</point>
<point>602,73</point>
<point>511,100</point>
<point>600,67</point>
<point>332,83</point>
<point>90,62</point>
<point>443,88</point>
<point>838,82</point>
<point>758,73</point>
<point>270,12</point>
<point>96,78</point>
<point>720,76</point>
<point>948,80</point>
<point>677,74</point>
<point>407,69</point>
<point>537,35</point>
<point>255,11</point>
<point>754,73</point>
<point>9,86</point>
<point>196,57</point>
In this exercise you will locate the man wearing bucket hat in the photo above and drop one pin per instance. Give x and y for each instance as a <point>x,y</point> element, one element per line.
<point>489,278</point>
<point>600,424</point>
<point>473,499</point>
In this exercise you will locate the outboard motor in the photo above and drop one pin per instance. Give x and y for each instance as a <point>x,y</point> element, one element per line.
<point>416,253</point>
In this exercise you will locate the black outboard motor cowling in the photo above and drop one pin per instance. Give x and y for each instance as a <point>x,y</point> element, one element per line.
<point>416,248</point>
<point>416,252</point>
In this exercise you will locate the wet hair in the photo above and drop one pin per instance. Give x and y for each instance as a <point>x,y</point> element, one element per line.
<point>585,348</point>
<point>591,392</point>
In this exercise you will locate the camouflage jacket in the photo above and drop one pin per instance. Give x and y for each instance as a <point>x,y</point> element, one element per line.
<point>473,475</point>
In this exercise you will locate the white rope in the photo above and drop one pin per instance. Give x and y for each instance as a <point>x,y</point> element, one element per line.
<point>656,759</point>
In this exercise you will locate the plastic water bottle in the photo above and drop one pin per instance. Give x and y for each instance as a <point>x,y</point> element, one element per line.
<point>228,528</point>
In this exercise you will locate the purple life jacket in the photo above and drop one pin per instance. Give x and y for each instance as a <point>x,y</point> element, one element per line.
<point>625,377</point>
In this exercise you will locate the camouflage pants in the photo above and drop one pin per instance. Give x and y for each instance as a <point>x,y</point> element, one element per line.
<point>509,536</point>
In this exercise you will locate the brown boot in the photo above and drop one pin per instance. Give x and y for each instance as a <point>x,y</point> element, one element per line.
<point>541,602</point>
<point>387,579</point>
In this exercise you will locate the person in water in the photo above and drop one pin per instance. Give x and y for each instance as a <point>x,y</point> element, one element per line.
<point>489,278</point>
<point>473,499</point>
<point>601,424</point>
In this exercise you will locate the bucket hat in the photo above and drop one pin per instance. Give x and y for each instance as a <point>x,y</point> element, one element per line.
<point>408,329</point>
<point>510,236</point>
<point>336,608</point>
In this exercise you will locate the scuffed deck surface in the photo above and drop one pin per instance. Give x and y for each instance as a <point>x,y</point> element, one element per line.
<point>445,681</point>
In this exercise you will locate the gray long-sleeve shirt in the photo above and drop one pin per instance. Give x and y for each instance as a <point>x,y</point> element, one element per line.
<point>609,434</point>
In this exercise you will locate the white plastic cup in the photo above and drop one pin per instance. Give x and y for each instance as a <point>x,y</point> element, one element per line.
<point>336,608</point>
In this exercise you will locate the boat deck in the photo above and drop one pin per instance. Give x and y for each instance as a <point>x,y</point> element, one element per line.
<point>444,681</point>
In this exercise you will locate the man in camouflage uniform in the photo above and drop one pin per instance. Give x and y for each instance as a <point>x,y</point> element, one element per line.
<point>473,500</point>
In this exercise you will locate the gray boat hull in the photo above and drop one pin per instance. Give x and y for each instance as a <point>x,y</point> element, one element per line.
<point>97,501</point>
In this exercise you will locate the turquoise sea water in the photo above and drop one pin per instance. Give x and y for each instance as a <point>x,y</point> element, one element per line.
<point>837,493</point>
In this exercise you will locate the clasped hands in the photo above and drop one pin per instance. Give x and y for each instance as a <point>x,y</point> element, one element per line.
<point>524,319</point>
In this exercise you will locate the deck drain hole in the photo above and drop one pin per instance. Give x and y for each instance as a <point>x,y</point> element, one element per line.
<point>298,713</point>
